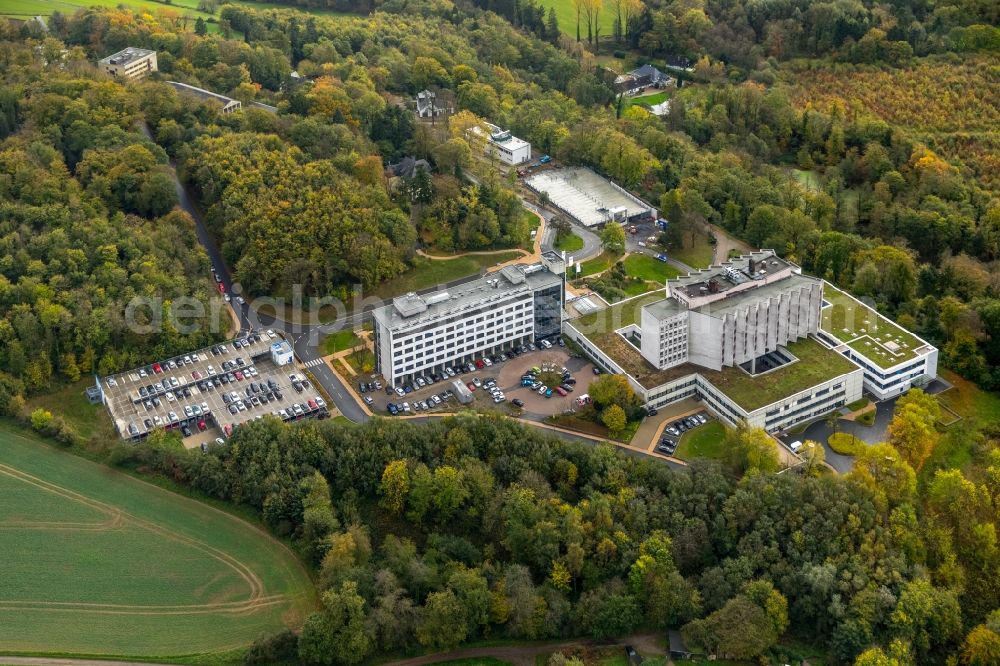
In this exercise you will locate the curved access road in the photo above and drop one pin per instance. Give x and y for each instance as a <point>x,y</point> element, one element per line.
<point>305,338</point>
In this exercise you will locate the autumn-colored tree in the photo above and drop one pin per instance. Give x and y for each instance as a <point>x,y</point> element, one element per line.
<point>613,237</point>
<point>912,429</point>
<point>614,418</point>
<point>395,486</point>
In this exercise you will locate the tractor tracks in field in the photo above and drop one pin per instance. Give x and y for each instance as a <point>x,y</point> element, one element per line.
<point>118,519</point>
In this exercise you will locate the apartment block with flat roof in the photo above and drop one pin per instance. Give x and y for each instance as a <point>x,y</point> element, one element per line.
<point>130,63</point>
<point>421,334</point>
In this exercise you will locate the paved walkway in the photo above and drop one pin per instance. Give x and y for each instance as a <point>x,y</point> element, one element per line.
<point>481,253</point>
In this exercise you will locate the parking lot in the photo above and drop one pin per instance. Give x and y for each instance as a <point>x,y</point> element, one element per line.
<point>495,385</point>
<point>673,430</point>
<point>207,393</point>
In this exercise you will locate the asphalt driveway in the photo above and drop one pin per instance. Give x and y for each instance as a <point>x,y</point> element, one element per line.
<point>820,431</point>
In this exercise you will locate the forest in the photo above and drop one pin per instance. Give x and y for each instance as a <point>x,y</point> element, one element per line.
<point>889,192</point>
<point>423,537</point>
<point>86,226</point>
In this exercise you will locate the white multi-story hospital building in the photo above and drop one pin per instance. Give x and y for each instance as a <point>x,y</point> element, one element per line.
<point>421,334</point>
<point>757,341</point>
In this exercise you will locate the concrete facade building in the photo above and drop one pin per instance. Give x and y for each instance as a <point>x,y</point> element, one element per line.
<point>893,359</point>
<point>743,337</point>
<point>130,63</point>
<point>420,334</point>
<point>503,145</point>
<point>731,314</point>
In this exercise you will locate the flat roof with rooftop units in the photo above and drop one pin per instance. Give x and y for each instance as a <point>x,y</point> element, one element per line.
<point>210,391</point>
<point>589,198</point>
<point>126,56</point>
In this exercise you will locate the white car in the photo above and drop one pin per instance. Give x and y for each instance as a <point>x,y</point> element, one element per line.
<point>320,402</point>
<point>488,362</point>
<point>170,396</point>
<point>239,300</point>
<point>211,370</point>
<point>420,382</point>
<point>227,297</point>
<point>112,382</point>
<point>436,399</point>
<point>795,446</point>
<point>270,332</point>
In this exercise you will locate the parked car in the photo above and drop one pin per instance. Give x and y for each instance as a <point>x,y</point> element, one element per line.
<point>518,402</point>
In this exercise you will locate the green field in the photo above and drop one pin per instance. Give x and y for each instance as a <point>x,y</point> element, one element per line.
<point>649,268</point>
<point>99,563</point>
<point>566,16</point>
<point>183,7</point>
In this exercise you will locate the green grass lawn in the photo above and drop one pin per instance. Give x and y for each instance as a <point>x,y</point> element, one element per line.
<point>649,268</point>
<point>598,264</point>
<point>707,441</point>
<point>429,272</point>
<point>99,563</point>
<point>566,16</point>
<point>647,100</point>
<point>86,420</point>
<point>569,242</point>
<point>968,400</point>
<point>699,255</point>
<point>866,331</point>
<point>341,340</point>
<point>846,444</point>
<point>815,364</point>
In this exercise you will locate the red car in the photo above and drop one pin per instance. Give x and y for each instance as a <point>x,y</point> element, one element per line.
<point>480,364</point>
<point>222,289</point>
<point>202,426</point>
<point>472,387</point>
<point>238,375</point>
<point>312,404</point>
<point>157,369</point>
<point>196,374</point>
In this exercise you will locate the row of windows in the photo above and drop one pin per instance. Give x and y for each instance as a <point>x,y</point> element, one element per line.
<point>814,409</point>
<point>450,338</point>
<point>443,333</point>
<point>441,355</point>
<point>512,300</point>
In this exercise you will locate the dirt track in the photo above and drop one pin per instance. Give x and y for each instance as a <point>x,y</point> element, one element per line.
<point>524,655</point>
